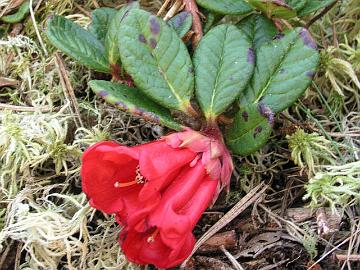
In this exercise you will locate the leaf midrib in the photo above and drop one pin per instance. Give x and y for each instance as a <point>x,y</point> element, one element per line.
<point>275,71</point>
<point>59,29</point>
<point>162,73</point>
<point>218,71</point>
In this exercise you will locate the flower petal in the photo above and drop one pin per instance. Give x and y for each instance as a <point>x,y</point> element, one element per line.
<point>182,204</point>
<point>103,165</point>
<point>140,248</point>
<point>160,164</point>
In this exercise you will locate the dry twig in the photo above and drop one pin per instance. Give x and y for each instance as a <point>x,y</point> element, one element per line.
<point>68,90</point>
<point>231,258</point>
<point>25,108</point>
<point>244,203</point>
<point>190,5</point>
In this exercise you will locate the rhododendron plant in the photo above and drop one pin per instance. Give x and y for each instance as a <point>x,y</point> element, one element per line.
<point>157,190</point>
<point>217,95</point>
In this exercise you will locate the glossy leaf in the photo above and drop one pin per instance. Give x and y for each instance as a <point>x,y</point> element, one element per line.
<point>181,23</point>
<point>101,19</point>
<point>250,130</point>
<point>284,72</point>
<point>224,62</point>
<point>258,29</point>
<point>133,101</point>
<point>111,39</point>
<point>234,7</point>
<point>297,4</point>
<point>19,15</point>
<point>314,5</point>
<point>273,8</point>
<point>157,59</point>
<point>77,43</point>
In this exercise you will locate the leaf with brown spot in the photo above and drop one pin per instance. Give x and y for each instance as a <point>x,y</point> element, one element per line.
<point>157,59</point>
<point>283,74</point>
<point>250,130</point>
<point>132,100</point>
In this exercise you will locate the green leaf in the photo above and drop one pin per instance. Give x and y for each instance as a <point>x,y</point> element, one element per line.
<point>77,43</point>
<point>284,71</point>
<point>133,101</point>
<point>273,8</point>
<point>101,18</point>
<point>19,15</point>
<point>258,29</point>
<point>313,6</point>
<point>111,39</point>
<point>181,23</point>
<point>157,59</point>
<point>297,4</point>
<point>234,7</point>
<point>211,19</point>
<point>224,62</point>
<point>250,130</point>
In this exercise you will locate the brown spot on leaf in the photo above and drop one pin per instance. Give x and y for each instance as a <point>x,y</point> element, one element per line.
<point>245,116</point>
<point>153,43</point>
<point>121,105</point>
<point>180,19</point>
<point>251,56</point>
<point>257,130</point>
<point>142,38</point>
<point>266,112</point>
<point>103,93</point>
<point>310,74</point>
<point>154,25</point>
<point>279,36</point>
<point>307,39</point>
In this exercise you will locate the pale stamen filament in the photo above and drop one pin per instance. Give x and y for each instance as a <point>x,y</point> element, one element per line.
<point>139,179</point>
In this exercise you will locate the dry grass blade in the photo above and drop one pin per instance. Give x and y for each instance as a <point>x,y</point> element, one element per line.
<point>244,203</point>
<point>32,15</point>
<point>68,90</point>
<point>329,252</point>
<point>25,108</point>
<point>231,258</point>
<point>178,5</point>
<point>163,7</point>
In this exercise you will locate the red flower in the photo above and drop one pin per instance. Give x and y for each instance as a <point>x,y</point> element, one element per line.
<point>158,191</point>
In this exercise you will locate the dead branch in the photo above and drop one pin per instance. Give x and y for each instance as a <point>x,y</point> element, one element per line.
<point>190,5</point>
<point>68,90</point>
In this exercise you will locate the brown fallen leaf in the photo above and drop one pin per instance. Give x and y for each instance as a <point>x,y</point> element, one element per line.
<point>227,239</point>
<point>8,82</point>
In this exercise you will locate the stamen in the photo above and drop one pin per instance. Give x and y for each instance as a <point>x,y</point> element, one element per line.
<point>139,179</point>
<point>151,238</point>
<point>126,184</point>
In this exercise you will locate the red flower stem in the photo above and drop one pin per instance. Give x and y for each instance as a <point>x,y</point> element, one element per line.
<point>191,111</point>
<point>119,75</point>
<point>190,5</point>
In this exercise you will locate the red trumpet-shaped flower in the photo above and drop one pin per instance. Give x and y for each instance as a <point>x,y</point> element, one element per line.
<point>158,191</point>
